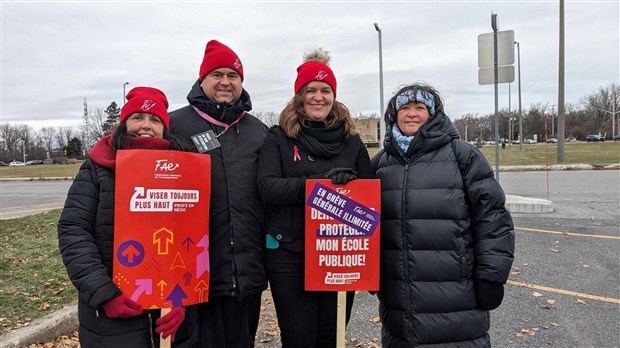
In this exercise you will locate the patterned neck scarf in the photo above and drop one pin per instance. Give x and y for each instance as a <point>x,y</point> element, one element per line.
<point>402,140</point>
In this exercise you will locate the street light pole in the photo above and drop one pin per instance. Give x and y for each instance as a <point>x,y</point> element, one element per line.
<point>509,133</point>
<point>520,114</point>
<point>560,148</point>
<point>381,118</point>
<point>124,99</point>
<point>613,113</point>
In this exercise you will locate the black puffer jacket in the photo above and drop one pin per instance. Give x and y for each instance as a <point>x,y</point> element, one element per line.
<point>237,215</point>
<point>282,181</point>
<point>440,231</point>
<point>86,241</point>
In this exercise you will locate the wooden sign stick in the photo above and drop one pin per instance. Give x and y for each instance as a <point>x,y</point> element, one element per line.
<point>164,342</point>
<point>341,319</point>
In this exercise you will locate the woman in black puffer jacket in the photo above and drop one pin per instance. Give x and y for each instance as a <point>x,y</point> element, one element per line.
<point>314,139</point>
<point>107,318</point>
<point>447,241</point>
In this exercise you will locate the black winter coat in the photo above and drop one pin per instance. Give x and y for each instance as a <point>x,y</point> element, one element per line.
<point>440,231</point>
<point>282,181</point>
<point>86,241</point>
<point>237,214</point>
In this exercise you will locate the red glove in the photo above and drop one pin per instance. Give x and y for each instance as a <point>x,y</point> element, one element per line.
<point>122,307</point>
<point>169,323</point>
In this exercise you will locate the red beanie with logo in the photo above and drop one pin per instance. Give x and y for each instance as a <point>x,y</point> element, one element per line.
<point>315,68</point>
<point>146,100</point>
<point>218,55</point>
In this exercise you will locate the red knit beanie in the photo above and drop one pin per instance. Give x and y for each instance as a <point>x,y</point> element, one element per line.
<point>146,100</point>
<point>315,68</point>
<point>218,55</point>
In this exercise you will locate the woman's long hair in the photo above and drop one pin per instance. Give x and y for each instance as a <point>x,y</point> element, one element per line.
<point>120,137</point>
<point>292,116</point>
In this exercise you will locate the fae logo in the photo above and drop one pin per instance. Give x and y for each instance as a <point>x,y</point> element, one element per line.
<point>321,75</point>
<point>342,191</point>
<point>165,166</point>
<point>237,63</point>
<point>147,105</point>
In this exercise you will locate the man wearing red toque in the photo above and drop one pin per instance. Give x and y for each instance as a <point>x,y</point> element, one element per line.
<point>218,123</point>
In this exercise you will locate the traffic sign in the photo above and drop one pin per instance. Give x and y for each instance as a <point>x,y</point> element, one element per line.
<point>505,49</point>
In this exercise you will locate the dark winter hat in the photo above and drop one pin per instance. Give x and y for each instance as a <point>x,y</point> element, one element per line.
<point>146,100</point>
<point>315,68</point>
<point>218,55</point>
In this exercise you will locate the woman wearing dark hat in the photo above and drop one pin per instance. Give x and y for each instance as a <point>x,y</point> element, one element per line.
<point>108,318</point>
<point>447,241</point>
<point>314,139</point>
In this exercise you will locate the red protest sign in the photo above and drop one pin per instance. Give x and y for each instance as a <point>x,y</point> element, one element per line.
<point>161,224</point>
<point>342,235</point>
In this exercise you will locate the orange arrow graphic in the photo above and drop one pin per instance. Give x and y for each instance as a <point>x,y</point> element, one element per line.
<point>162,284</point>
<point>202,289</point>
<point>163,238</point>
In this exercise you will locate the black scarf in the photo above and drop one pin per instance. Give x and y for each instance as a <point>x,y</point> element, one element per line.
<point>320,140</point>
<point>223,112</point>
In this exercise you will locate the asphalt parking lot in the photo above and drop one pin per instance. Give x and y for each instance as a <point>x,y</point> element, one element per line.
<point>564,289</point>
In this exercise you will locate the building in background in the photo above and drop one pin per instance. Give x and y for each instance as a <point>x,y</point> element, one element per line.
<point>368,129</point>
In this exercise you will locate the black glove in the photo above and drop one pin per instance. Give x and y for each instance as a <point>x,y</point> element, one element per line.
<point>340,176</point>
<point>489,294</point>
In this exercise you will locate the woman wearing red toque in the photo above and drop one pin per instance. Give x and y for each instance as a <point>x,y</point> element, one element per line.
<point>314,139</point>
<point>86,235</point>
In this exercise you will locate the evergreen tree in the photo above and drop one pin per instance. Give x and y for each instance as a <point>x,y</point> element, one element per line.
<point>113,113</point>
<point>74,148</point>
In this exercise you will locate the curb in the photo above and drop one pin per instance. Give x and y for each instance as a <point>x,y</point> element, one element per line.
<point>58,323</point>
<point>518,204</point>
<point>50,178</point>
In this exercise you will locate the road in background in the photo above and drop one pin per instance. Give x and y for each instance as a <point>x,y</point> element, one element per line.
<point>564,290</point>
<point>22,198</point>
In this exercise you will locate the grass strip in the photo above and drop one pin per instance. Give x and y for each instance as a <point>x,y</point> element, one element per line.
<point>34,281</point>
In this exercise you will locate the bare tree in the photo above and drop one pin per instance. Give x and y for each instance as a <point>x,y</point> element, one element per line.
<point>269,118</point>
<point>63,135</point>
<point>10,135</point>
<point>466,126</point>
<point>93,127</point>
<point>27,135</point>
<point>47,139</point>
<point>600,106</point>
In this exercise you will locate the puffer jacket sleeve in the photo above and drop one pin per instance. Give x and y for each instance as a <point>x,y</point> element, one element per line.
<point>77,243</point>
<point>274,187</point>
<point>491,223</point>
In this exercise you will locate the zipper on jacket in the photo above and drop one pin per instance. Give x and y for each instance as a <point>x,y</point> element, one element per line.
<point>406,247</point>
<point>233,291</point>
<point>151,329</point>
<point>232,259</point>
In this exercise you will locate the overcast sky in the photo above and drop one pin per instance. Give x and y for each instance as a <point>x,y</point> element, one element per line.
<point>56,54</point>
